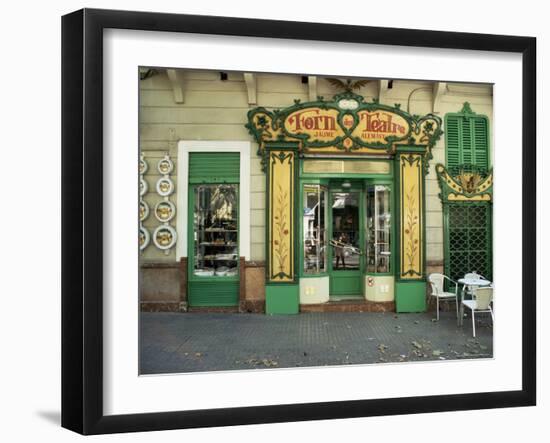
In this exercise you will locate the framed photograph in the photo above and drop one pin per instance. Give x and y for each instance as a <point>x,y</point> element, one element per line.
<point>270,221</point>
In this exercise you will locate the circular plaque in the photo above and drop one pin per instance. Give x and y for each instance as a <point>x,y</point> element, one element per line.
<point>164,237</point>
<point>165,166</point>
<point>143,187</point>
<point>144,238</point>
<point>165,211</point>
<point>143,210</point>
<point>143,166</point>
<point>165,186</point>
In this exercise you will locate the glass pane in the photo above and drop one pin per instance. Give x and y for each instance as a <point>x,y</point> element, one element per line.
<point>314,229</point>
<point>215,223</point>
<point>378,229</point>
<point>345,231</point>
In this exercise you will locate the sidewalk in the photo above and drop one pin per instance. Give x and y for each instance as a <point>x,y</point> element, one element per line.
<point>196,342</point>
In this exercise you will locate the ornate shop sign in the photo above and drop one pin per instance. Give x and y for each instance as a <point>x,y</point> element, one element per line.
<point>347,124</point>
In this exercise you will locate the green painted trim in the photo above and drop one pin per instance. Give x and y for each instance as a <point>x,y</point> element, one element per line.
<point>345,276</point>
<point>410,296</point>
<point>270,145</point>
<point>410,148</point>
<point>282,299</point>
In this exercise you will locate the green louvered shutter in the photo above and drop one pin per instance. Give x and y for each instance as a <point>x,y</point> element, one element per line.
<point>481,142</point>
<point>214,167</point>
<point>453,141</point>
<point>466,142</point>
<point>467,139</point>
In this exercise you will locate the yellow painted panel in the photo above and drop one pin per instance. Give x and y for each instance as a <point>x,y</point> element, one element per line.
<point>281,220</point>
<point>411,179</point>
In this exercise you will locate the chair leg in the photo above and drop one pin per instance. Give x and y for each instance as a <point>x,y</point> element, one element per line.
<point>437,308</point>
<point>456,303</point>
<point>473,323</point>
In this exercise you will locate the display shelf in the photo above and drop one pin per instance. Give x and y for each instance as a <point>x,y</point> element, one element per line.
<point>215,233</point>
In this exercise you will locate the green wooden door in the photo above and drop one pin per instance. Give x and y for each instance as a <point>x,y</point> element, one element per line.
<point>346,231</point>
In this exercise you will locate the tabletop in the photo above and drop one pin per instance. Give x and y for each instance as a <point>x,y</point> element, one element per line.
<point>474,281</point>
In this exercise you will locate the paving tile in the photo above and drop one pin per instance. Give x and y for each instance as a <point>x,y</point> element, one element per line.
<point>199,342</point>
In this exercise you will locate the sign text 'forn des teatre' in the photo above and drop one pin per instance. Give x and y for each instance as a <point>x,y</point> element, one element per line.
<point>369,126</point>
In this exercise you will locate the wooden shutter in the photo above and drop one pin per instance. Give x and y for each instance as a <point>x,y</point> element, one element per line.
<point>481,142</point>
<point>467,140</point>
<point>453,141</point>
<point>214,167</point>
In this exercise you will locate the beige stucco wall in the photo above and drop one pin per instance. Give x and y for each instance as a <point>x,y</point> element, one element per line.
<point>216,110</point>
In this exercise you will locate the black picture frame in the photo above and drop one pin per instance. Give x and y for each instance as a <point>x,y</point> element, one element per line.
<point>82,215</point>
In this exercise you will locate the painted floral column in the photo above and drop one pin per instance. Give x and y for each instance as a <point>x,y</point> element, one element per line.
<point>281,216</point>
<point>282,291</point>
<point>410,281</point>
<point>411,216</point>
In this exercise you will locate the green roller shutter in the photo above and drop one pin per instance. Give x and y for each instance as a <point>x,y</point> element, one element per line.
<point>214,167</point>
<point>213,293</point>
<point>467,139</point>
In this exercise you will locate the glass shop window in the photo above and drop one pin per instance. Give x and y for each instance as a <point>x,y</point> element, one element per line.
<point>215,231</point>
<point>378,229</point>
<point>314,229</point>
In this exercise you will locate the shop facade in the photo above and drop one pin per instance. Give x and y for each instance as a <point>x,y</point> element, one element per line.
<point>285,194</point>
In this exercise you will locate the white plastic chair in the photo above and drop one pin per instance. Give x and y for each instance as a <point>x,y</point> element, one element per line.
<point>473,276</point>
<point>437,282</point>
<point>480,303</point>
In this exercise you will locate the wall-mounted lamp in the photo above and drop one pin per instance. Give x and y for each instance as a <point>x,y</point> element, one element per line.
<point>346,184</point>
